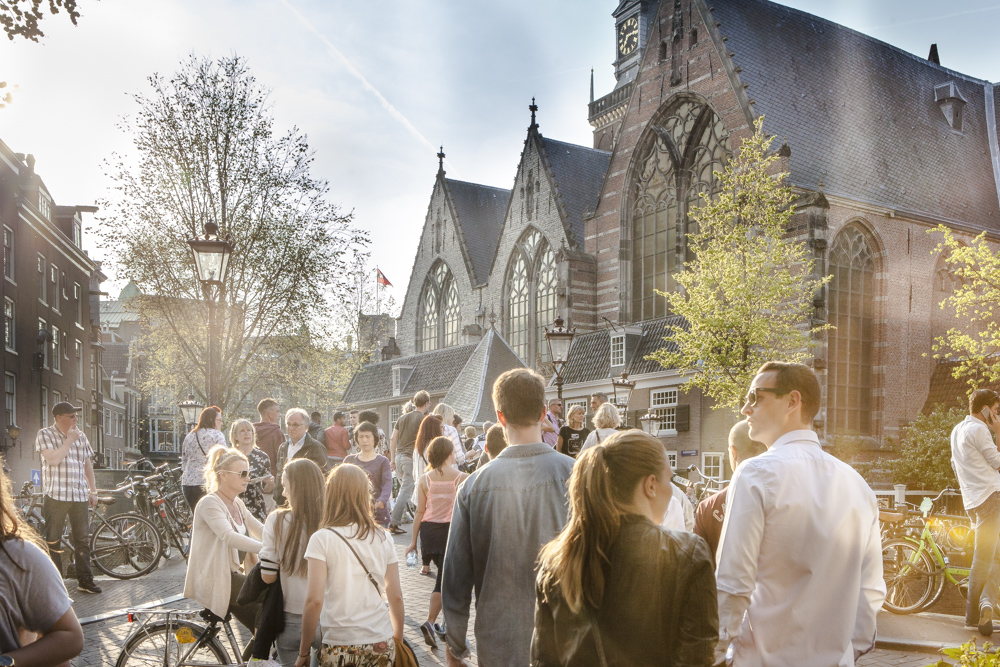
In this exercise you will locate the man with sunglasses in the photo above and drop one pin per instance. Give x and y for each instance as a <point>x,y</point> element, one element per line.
<point>800,558</point>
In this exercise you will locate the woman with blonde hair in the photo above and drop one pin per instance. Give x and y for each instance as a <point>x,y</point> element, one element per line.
<point>606,423</point>
<point>241,436</point>
<point>286,534</point>
<point>436,491</point>
<point>224,536</point>
<point>348,556</point>
<point>573,434</point>
<point>613,575</point>
<point>447,415</point>
<point>206,434</point>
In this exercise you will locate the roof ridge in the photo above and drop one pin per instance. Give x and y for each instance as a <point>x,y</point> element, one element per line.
<point>566,143</point>
<point>478,185</point>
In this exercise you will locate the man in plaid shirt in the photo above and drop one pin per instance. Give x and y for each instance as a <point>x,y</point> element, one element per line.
<point>69,488</point>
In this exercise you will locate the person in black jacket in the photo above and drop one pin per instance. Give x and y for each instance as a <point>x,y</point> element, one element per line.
<point>614,588</point>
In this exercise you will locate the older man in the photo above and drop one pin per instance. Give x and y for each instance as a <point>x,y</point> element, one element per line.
<point>800,558</point>
<point>69,489</point>
<point>298,445</point>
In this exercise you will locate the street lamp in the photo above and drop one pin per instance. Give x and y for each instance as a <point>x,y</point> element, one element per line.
<point>650,423</point>
<point>13,431</point>
<point>623,390</point>
<point>559,339</point>
<point>189,410</point>
<point>211,261</point>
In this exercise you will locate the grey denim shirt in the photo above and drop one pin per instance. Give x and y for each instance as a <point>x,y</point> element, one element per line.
<point>504,513</point>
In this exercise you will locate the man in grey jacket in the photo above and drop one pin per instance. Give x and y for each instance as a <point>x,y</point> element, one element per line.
<point>504,513</point>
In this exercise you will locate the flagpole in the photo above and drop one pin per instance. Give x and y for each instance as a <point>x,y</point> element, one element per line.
<point>377,284</point>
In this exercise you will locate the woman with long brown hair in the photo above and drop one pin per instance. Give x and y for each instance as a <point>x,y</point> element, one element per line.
<point>286,534</point>
<point>348,556</point>
<point>613,575</point>
<point>206,434</point>
<point>431,428</point>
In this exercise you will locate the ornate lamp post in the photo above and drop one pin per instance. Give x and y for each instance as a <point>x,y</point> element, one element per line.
<point>189,410</point>
<point>623,390</point>
<point>649,423</point>
<point>211,260</point>
<point>13,431</point>
<point>559,339</point>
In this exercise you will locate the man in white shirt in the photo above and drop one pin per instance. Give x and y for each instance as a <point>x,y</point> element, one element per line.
<point>975,459</point>
<point>800,557</point>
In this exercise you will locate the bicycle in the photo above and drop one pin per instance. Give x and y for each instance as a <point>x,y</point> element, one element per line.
<point>175,639</point>
<point>916,566</point>
<point>705,487</point>
<point>153,501</point>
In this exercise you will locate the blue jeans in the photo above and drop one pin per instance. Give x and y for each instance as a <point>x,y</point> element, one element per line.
<point>404,470</point>
<point>984,577</point>
<point>288,641</point>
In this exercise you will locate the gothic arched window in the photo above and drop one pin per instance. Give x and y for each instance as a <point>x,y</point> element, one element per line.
<point>438,311</point>
<point>852,312</point>
<point>685,149</point>
<point>531,287</point>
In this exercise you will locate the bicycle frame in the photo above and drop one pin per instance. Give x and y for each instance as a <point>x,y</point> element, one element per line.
<point>207,634</point>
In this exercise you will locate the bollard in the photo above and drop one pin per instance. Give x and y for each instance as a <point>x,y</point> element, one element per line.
<point>900,494</point>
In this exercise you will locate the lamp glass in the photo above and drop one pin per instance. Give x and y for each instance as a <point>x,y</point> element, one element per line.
<point>189,410</point>
<point>13,431</point>
<point>211,260</point>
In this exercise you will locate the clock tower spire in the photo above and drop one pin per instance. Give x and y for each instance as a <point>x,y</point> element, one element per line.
<point>633,19</point>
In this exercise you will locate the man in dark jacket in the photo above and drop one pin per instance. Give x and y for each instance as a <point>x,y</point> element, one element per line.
<point>299,445</point>
<point>315,427</point>
<point>267,432</point>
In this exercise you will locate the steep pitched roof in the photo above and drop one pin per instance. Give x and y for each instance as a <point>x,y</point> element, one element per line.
<point>433,372</point>
<point>472,392</point>
<point>578,173</point>
<point>115,358</point>
<point>113,313</point>
<point>949,391</point>
<point>590,354</point>
<point>860,115</point>
<point>480,210</point>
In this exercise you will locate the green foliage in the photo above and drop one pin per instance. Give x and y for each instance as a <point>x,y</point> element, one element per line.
<point>970,655</point>
<point>20,18</point>
<point>747,294</point>
<point>975,339</point>
<point>924,460</point>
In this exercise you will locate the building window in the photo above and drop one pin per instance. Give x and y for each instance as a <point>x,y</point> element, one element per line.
<point>394,412</point>
<point>44,206</point>
<point>42,279</point>
<point>532,287</point>
<point>77,234</point>
<point>54,286</point>
<point>8,253</point>
<point>683,151</point>
<point>10,397</point>
<point>617,351</point>
<point>62,283</point>
<point>395,381</point>
<point>663,405</point>
<point>45,348</point>
<point>438,311</point>
<point>9,322</point>
<point>79,364</point>
<point>45,406</point>
<point>711,464</point>
<point>672,459</point>
<point>56,356</point>
<point>852,311</point>
<point>78,295</point>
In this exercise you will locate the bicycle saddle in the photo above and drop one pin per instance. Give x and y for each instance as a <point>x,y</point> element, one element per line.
<point>107,500</point>
<point>209,617</point>
<point>890,517</point>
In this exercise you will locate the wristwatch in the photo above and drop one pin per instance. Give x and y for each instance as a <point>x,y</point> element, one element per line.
<point>6,660</point>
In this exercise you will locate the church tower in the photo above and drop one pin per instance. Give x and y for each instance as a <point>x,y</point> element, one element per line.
<point>633,25</point>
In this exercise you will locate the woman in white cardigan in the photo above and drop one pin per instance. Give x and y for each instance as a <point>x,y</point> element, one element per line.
<point>223,531</point>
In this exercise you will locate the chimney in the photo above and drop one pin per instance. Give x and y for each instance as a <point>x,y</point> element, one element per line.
<point>933,55</point>
<point>31,163</point>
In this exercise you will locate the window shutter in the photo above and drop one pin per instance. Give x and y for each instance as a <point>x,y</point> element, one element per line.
<point>683,418</point>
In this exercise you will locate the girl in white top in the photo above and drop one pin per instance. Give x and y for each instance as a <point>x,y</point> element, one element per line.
<point>223,530</point>
<point>606,422</point>
<point>286,534</point>
<point>447,414</point>
<point>358,628</point>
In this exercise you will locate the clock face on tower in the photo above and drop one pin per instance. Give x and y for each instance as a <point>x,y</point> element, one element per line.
<point>628,36</point>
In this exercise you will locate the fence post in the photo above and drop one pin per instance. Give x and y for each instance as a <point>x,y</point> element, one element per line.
<point>900,494</point>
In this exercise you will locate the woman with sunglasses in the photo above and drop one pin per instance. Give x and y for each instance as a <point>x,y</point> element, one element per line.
<point>224,536</point>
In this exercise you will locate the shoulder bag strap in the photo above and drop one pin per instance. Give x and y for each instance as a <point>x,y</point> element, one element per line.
<point>367,572</point>
<point>198,438</point>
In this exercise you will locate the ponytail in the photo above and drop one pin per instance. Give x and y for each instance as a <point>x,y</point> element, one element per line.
<point>601,488</point>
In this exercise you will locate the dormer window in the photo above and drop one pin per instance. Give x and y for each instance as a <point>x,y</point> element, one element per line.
<point>44,206</point>
<point>617,350</point>
<point>400,376</point>
<point>950,101</point>
<point>395,381</point>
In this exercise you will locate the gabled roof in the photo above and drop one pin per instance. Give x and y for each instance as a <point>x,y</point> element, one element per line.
<point>860,115</point>
<point>949,391</point>
<point>115,359</point>
<point>480,210</point>
<point>472,392</point>
<point>433,372</point>
<point>113,313</point>
<point>590,354</point>
<point>578,173</point>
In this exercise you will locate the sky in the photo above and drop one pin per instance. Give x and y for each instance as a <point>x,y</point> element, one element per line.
<point>377,87</point>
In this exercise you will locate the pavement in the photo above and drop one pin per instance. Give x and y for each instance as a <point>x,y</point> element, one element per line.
<point>904,641</point>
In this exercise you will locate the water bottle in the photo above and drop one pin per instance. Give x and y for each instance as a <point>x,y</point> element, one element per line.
<point>411,560</point>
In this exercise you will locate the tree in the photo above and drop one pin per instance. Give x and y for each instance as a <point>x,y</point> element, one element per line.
<point>205,150</point>
<point>20,18</point>
<point>746,296</point>
<point>975,339</point>
<point>924,460</point>
<point>361,310</point>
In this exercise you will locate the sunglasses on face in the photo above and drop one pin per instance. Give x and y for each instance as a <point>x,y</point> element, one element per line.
<point>752,396</point>
<point>242,473</point>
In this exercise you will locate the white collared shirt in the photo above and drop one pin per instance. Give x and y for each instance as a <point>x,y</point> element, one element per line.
<point>801,554</point>
<point>294,447</point>
<point>975,459</point>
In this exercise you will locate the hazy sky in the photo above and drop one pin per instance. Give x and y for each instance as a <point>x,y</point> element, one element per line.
<point>378,86</point>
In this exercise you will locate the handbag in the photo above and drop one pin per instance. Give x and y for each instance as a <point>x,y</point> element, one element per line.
<point>405,657</point>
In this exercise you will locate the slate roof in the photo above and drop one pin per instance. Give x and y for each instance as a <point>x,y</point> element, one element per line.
<point>860,116</point>
<point>579,173</point>
<point>590,355</point>
<point>480,210</point>
<point>945,389</point>
<point>113,313</point>
<point>115,358</point>
<point>472,392</point>
<point>433,372</point>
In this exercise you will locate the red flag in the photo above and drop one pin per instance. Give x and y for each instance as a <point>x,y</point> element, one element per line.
<point>382,280</point>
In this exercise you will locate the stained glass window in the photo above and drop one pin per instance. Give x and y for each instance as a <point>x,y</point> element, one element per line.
<point>532,287</point>
<point>439,316</point>
<point>687,148</point>
<point>851,311</point>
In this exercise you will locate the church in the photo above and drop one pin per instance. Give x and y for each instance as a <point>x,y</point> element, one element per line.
<point>880,146</point>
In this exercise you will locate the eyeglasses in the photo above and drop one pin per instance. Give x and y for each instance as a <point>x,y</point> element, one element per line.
<point>242,473</point>
<point>752,396</point>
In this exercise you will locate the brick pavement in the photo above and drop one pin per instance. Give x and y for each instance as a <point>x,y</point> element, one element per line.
<point>104,638</point>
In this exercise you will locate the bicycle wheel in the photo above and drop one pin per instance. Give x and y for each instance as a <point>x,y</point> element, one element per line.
<point>908,579</point>
<point>157,645</point>
<point>126,546</point>
<point>182,513</point>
